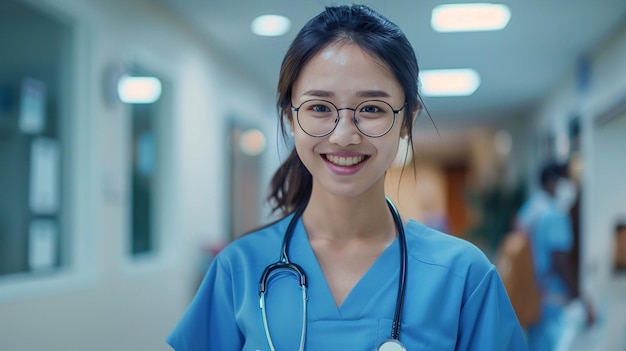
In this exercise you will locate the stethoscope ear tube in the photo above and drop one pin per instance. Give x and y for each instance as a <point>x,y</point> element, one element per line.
<point>395,327</point>
<point>284,256</point>
<point>263,283</point>
<point>291,267</point>
<point>283,262</point>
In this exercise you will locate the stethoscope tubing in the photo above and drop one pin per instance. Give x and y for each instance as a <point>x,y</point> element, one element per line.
<point>284,264</point>
<point>395,327</point>
<point>304,312</point>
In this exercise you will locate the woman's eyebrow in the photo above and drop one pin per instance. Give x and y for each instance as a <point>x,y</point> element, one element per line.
<point>372,93</point>
<point>363,93</point>
<point>319,93</point>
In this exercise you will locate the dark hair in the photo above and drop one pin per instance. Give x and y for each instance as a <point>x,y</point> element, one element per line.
<point>292,183</point>
<point>552,172</point>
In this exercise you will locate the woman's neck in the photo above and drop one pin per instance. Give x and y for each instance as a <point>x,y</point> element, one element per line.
<point>365,217</point>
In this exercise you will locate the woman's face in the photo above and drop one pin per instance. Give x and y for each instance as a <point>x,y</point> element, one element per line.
<point>346,162</point>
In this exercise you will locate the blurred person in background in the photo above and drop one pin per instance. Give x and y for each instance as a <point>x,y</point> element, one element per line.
<point>342,270</point>
<point>545,218</point>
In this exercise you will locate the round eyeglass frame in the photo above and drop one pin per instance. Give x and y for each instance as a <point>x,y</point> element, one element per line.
<point>354,119</point>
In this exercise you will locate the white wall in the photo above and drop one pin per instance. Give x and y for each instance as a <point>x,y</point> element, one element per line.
<point>604,168</point>
<point>608,199</point>
<point>118,304</point>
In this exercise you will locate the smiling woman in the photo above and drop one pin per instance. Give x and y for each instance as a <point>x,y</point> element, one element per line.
<point>348,91</point>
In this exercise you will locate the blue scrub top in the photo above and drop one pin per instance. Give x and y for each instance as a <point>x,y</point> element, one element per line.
<point>454,299</point>
<point>551,233</point>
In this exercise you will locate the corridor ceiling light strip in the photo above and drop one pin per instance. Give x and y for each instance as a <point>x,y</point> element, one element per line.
<point>270,25</point>
<point>449,82</point>
<point>469,17</point>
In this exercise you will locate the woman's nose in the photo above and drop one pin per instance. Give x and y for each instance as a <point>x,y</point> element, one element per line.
<point>346,132</point>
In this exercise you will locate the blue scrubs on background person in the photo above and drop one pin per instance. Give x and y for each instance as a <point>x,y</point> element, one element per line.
<point>545,218</point>
<point>454,299</point>
<point>552,232</point>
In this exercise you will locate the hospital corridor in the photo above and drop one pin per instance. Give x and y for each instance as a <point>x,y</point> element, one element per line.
<point>139,138</point>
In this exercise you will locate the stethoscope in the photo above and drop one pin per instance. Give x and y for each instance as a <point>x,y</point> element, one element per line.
<point>392,344</point>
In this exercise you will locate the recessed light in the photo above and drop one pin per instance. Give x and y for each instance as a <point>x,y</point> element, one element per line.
<point>270,25</point>
<point>469,17</point>
<point>252,142</point>
<point>449,82</point>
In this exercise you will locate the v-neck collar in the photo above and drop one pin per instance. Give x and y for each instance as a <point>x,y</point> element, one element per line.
<point>380,278</point>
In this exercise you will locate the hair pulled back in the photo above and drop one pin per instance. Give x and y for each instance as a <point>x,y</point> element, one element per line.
<point>292,183</point>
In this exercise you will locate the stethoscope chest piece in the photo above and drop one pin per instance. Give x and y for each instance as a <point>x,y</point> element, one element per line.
<point>391,345</point>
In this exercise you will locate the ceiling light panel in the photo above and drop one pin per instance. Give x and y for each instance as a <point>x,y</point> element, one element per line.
<point>449,82</point>
<point>270,25</point>
<point>470,17</point>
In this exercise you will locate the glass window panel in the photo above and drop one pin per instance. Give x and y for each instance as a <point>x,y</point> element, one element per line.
<point>33,69</point>
<point>143,178</point>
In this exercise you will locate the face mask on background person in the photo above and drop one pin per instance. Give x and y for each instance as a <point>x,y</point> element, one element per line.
<point>565,194</point>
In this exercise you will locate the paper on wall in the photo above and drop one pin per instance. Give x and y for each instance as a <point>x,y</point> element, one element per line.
<point>42,244</point>
<point>44,176</point>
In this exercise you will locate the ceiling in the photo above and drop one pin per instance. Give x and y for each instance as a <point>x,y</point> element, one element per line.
<point>544,40</point>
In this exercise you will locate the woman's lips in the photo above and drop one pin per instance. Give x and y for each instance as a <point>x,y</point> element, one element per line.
<point>345,165</point>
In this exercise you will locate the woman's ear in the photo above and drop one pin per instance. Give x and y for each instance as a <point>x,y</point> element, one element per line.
<point>404,133</point>
<point>416,110</point>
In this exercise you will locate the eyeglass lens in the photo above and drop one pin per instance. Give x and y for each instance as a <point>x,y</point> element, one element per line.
<point>373,118</point>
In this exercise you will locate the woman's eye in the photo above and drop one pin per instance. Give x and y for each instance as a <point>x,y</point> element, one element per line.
<point>320,108</point>
<point>370,109</point>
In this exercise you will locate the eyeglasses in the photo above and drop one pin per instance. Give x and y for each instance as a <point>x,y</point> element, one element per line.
<point>373,118</point>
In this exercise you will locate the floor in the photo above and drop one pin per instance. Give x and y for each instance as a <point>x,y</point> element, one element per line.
<point>609,334</point>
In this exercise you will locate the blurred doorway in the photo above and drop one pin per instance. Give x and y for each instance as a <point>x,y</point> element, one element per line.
<point>246,144</point>
<point>456,199</point>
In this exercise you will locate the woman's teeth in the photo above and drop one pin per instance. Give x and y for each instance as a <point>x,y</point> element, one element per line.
<point>345,161</point>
